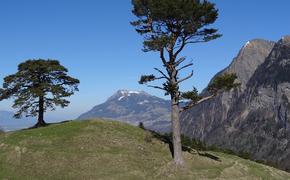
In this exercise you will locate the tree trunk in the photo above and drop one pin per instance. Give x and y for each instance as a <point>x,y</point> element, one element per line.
<point>40,121</point>
<point>176,135</point>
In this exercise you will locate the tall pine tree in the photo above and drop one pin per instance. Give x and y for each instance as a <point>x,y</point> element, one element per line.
<point>168,26</point>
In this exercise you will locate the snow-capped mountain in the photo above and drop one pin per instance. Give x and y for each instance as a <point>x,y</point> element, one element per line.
<point>134,107</point>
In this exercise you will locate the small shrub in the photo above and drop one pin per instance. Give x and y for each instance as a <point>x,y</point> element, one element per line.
<point>141,125</point>
<point>244,155</point>
<point>188,143</point>
<point>193,143</point>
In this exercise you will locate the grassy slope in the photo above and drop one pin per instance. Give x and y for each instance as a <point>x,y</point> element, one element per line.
<point>110,150</point>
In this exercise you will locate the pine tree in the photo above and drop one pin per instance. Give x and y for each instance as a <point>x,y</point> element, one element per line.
<point>168,26</point>
<point>38,85</point>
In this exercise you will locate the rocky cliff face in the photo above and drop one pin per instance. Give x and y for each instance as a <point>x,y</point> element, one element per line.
<point>134,107</point>
<point>255,117</point>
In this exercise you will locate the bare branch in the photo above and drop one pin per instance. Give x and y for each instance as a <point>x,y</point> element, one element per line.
<point>163,74</point>
<point>191,104</point>
<point>186,66</point>
<point>163,58</point>
<point>186,78</point>
<point>193,42</point>
<point>157,78</point>
<point>157,87</point>
<point>183,43</point>
<point>179,61</point>
<point>205,99</point>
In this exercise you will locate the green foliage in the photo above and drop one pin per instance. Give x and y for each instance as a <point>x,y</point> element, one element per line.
<point>193,143</point>
<point>224,82</point>
<point>146,78</point>
<point>245,155</point>
<point>170,89</point>
<point>191,95</point>
<point>162,22</point>
<point>38,81</point>
<point>186,142</point>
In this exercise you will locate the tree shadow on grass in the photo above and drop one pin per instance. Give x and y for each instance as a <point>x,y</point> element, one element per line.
<point>46,124</point>
<point>166,138</point>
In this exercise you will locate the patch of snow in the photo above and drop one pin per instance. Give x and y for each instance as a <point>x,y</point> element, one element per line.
<point>125,92</point>
<point>134,92</point>
<point>248,43</point>
<point>120,98</point>
<point>143,102</point>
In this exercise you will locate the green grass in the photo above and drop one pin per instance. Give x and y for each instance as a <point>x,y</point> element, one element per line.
<point>100,149</point>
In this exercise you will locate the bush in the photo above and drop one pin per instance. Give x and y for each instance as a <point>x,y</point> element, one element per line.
<point>141,125</point>
<point>188,143</point>
<point>244,155</point>
<point>193,143</point>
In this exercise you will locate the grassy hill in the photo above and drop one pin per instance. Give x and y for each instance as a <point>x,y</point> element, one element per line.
<point>99,149</point>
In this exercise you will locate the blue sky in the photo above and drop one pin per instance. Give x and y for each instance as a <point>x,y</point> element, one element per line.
<point>95,41</point>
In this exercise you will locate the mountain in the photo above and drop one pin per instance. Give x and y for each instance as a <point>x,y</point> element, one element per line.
<point>252,54</point>
<point>134,107</point>
<point>254,118</point>
<point>8,123</point>
<point>100,149</point>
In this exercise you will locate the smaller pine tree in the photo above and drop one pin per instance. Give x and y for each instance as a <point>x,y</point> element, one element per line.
<point>141,125</point>
<point>37,86</point>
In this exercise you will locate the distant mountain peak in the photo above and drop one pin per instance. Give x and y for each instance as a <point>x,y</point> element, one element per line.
<point>247,44</point>
<point>286,38</point>
<point>250,56</point>
<point>124,93</point>
<point>132,107</point>
<point>256,43</point>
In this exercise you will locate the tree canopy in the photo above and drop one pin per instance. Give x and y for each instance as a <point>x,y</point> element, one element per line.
<point>171,24</point>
